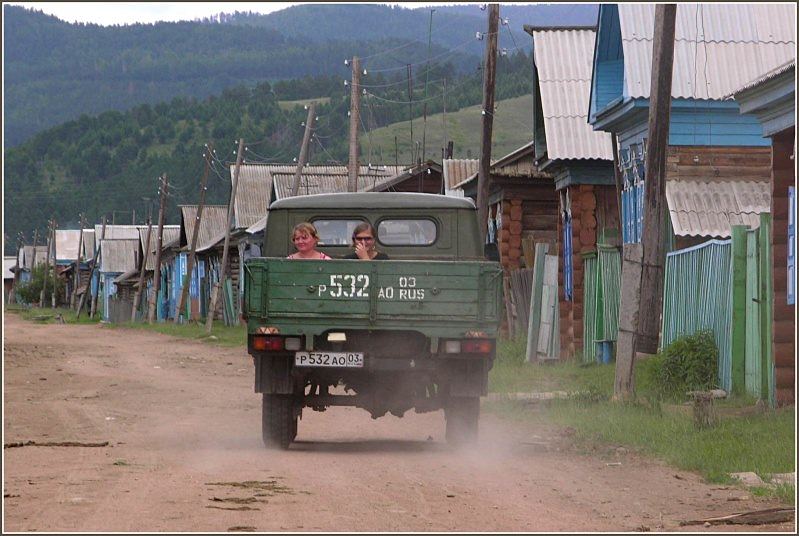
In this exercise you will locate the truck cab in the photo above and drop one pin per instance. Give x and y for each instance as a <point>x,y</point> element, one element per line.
<point>417,331</point>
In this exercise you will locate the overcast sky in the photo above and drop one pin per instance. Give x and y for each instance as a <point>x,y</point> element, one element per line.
<point>108,13</point>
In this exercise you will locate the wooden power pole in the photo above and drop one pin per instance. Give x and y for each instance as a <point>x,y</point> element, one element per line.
<point>98,254</point>
<point>642,267</point>
<point>143,270</point>
<point>355,113</point>
<point>306,138</point>
<point>76,275</point>
<point>55,271</point>
<point>46,263</point>
<point>12,295</point>
<point>184,291</point>
<point>209,322</point>
<point>151,312</point>
<point>489,79</point>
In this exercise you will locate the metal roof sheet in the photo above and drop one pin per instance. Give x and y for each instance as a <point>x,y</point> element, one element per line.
<point>765,77</point>
<point>118,255</point>
<point>170,234</point>
<point>88,244</point>
<point>26,256</point>
<point>718,47</point>
<point>66,244</point>
<point>212,224</point>
<point>117,232</point>
<point>459,170</point>
<point>564,59</point>
<point>710,208</point>
<point>8,264</point>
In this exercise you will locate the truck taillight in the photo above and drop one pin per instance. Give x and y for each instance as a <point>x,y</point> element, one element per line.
<point>267,344</point>
<point>477,346</point>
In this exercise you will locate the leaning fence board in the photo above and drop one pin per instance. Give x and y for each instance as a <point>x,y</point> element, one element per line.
<point>535,301</point>
<point>521,286</point>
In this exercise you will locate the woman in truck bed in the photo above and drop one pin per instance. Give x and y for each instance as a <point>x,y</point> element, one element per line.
<point>363,240</point>
<point>305,238</point>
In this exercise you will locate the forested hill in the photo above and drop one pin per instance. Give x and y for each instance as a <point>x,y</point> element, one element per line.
<point>55,71</point>
<point>110,162</point>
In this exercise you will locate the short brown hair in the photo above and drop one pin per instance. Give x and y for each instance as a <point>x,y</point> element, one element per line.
<point>305,228</point>
<point>361,227</point>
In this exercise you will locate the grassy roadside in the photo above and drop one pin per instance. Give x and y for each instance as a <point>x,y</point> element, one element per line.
<point>746,438</point>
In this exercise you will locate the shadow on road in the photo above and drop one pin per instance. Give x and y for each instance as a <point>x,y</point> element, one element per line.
<point>369,445</point>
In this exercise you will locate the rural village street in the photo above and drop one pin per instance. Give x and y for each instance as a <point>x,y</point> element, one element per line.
<point>184,453</point>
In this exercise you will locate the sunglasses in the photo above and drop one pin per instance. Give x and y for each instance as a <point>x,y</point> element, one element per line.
<point>363,238</point>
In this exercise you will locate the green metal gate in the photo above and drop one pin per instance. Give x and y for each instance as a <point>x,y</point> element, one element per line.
<point>602,289</point>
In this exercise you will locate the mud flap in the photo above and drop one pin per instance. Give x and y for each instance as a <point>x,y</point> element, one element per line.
<point>468,377</point>
<point>273,375</point>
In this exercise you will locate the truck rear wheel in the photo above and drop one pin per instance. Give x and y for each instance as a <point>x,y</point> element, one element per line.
<point>462,414</point>
<point>278,421</point>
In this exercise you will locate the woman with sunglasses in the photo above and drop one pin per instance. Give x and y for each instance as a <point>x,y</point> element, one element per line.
<point>363,240</point>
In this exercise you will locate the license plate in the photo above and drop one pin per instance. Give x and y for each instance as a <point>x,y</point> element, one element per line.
<point>329,359</point>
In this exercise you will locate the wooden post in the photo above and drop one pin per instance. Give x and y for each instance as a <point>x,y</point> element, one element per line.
<point>46,264</point>
<point>184,291</point>
<point>209,322</point>
<point>153,303</point>
<point>410,108</point>
<point>489,79</point>
<point>306,138</point>
<point>142,271</point>
<point>55,271</point>
<point>76,275</point>
<point>738,332</point>
<point>355,111</point>
<point>655,208</point>
<point>642,265</point>
<point>12,294</point>
<point>97,258</point>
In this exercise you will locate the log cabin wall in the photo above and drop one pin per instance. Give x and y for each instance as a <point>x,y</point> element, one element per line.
<point>783,326</point>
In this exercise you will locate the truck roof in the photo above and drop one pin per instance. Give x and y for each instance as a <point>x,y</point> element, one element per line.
<point>370,200</point>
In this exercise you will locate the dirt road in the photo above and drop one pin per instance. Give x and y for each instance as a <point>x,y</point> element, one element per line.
<point>184,454</point>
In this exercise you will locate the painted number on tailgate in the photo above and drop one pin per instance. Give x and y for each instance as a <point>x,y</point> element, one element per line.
<point>346,286</point>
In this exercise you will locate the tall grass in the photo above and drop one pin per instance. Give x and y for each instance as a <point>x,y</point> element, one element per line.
<point>228,336</point>
<point>745,439</point>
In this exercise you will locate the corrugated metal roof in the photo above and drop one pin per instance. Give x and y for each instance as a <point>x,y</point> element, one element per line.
<point>457,171</point>
<point>213,223</point>
<point>254,189</point>
<point>66,244</point>
<point>564,59</point>
<point>170,236</point>
<point>26,256</point>
<point>117,232</point>
<point>88,244</point>
<point>118,255</point>
<point>718,47</point>
<point>774,73</point>
<point>8,264</point>
<point>710,208</point>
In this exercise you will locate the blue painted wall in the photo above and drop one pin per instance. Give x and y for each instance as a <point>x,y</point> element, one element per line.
<point>608,73</point>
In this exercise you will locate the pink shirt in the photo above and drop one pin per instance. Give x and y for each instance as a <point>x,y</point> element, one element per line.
<point>322,257</point>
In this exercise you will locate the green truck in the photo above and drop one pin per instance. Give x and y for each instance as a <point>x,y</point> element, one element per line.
<point>415,331</point>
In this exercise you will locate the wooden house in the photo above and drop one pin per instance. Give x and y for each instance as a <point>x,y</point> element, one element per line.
<point>771,99</point>
<point>117,257</point>
<point>579,159</point>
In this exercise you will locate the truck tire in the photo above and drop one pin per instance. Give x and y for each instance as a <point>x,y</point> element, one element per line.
<point>278,422</point>
<point>463,415</point>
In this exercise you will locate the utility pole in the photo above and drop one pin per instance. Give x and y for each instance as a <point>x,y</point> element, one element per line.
<point>306,138</point>
<point>355,113</point>
<point>95,261</point>
<point>33,256</point>
<point>12,295</point>
<point>98,258</point>
<point>76,275</point>
<point>410,108</point>
<point>55,272</point>
<point>160,240</point>
<point>145,258</point>
<point>489,79</point>
<point>639,317</point>
<point>46,264</point>
<point>426,78</point>
<point>134,217</point>
<point>209,322</point>
<point>195,233</point>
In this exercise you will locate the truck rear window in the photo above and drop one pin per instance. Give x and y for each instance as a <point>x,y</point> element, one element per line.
<point>407,232</point>
<point>335,232</point>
